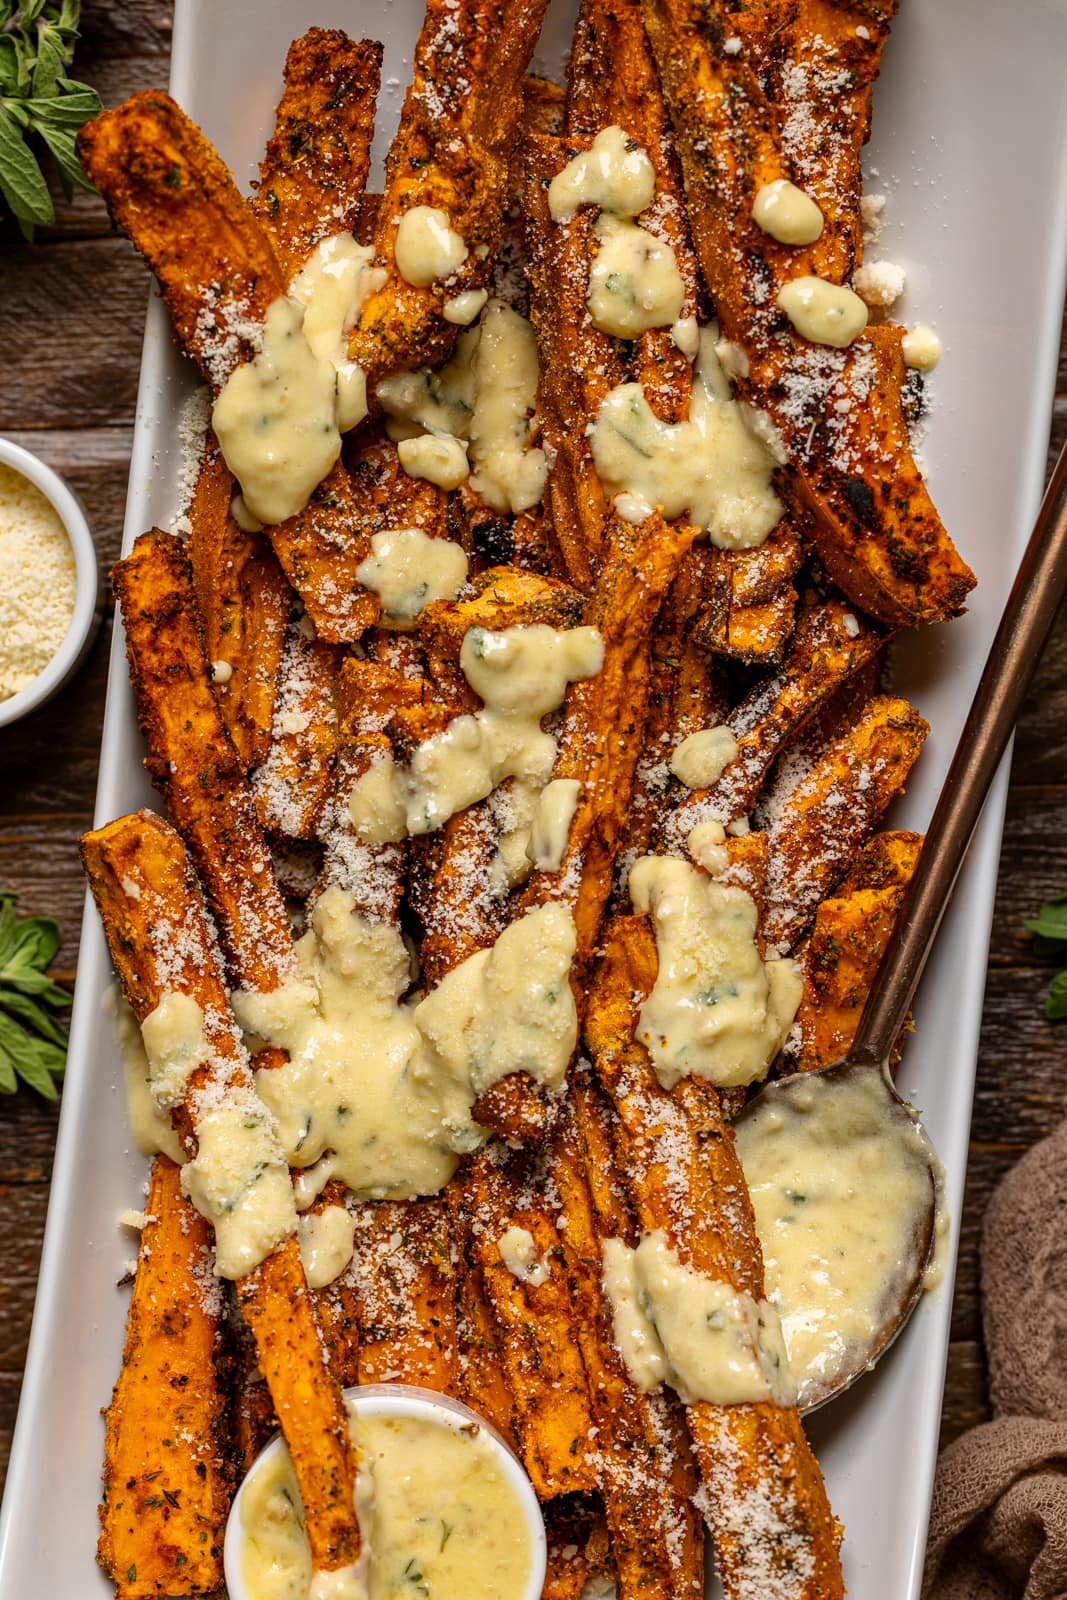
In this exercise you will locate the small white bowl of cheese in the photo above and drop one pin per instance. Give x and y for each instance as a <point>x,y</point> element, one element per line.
<point>49,583</point>
<point>445,1509</point>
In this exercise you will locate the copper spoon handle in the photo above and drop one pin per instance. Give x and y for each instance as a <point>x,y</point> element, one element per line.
<point>1024,628</point>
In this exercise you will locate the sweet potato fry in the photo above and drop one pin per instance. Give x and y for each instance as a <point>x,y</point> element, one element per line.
<point>838,410</point>
<point>604,718</point>
<point>459,127</point>
<point>312,177</point>
<point>825,60</point>
<point>684,1177</point>
<point>160,940</point>
<point>192,760</point>
<point>478,1343</point>
<point>504,597</point>
<point>830,644</point>
<point>578,363</point>
<point>751,602</point>
<point>170,192</point>
<point>847,940</point>
<point>819,826</point>
<point>403,1283</point>
<point>293,783</point>
<point>244,603</point>
<point>577,1548</point>
<point>541,1361</point>
<point>164,1510</point>
<point>655,1537</point>
<point>613,79</point>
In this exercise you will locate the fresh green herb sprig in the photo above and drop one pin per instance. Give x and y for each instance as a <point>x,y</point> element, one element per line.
<point>33,1045</point>
<point>37,42</point>
<point>1049,929</point>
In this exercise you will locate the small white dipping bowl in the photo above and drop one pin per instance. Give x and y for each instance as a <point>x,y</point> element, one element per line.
<point>402,1400</point>
<point>86,619</point>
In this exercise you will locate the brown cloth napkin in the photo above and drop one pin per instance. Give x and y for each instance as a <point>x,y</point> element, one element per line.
<point>998,1525</point>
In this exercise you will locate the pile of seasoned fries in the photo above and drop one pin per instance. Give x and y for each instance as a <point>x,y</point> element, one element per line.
<point>267,686</point>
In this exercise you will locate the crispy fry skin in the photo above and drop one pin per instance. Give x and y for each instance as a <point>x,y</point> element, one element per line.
<point>160,939</point>
<point>830,644</point>
<point>458,913</point>
<point>578,363</point>
<point>168,189</point>
<point>403,1283</point>
<point>684,1176</point>
<point>613,79</point>
<point>604,721</point>
<point>655,1537</point>
<point>820,825</point>
<point>847,940</point>
<point>164,1510</point>
<point>459,126</point>
<point>541,1361</point>
<point>504,597</point>
<point>292,785</point>
<point>312,177</point>
<point>822,74</point>
<point>244,603</point>
<point>192,760</point>
<point>751,602</point>
<point>480,1363</point>
<point>876,531</point>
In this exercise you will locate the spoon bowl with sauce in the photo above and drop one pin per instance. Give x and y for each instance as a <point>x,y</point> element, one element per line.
<point>844,1180</point>
<point>445,1508</point>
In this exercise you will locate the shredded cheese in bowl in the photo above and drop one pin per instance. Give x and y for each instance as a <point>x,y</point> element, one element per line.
<point>48,582</point>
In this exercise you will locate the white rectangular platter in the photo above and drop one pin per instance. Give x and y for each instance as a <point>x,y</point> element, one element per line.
<point>970,143</point>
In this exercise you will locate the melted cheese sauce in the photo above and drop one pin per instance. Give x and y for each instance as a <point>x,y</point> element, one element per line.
<point>480,406</point>
<point>239,1181</point>
<point>378,1091</point>
<point>409,571</point>
<point>716,1009</point>
<point>922,348</point>
<point>518,1252</point>
<point>332,288</point>
<point>786,213</point>
<point>509,473</point>
<point>715,468</point>
<point>634,283</point>
<point>279,417</point>
<point>440,1519</point>
<point>614,174</point>
<point>327,1240</point>
<point>825,313</point>
<point>427,246</point>
<point>702,758</point>
<point>551,823</point>
<point>521,674</point>
<point>701,1336</point>
<point>151,1129</point>
<point>276,419</point>
<point>838,1188</point>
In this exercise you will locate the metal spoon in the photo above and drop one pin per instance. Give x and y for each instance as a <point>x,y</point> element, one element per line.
<point>1024,628</point>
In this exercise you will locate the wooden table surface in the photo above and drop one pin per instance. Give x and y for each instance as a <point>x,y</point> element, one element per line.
<point>71,317</point>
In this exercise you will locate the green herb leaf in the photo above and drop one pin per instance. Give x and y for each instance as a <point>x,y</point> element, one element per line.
<point>33,1044</point>
<point>21,183</point>
<point>1056,1002</point>
<point>39,101</point>
<point>1051,921</point>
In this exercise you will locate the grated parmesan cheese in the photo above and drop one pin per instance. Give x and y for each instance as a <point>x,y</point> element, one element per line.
<point>38,582</point>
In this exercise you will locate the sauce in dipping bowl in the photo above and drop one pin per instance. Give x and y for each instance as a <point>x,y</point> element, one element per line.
<point>445,1508</point>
